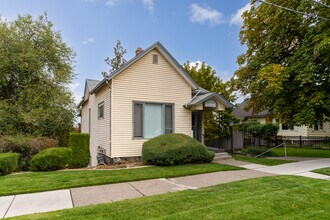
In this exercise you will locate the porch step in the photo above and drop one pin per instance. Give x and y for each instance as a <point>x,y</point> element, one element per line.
<point>222,155</point>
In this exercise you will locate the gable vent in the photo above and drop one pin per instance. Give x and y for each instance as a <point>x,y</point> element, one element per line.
<point>155,59</point>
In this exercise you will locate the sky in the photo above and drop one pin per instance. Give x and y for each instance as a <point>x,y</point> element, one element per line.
<point>192,30</point>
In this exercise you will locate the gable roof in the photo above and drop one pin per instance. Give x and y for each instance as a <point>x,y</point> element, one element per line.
<point>241,113</point>
<point>208,95</point>
<point>164,52</point>
<point>92,83</point>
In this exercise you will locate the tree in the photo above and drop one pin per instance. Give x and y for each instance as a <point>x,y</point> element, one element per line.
<point>286,66</point>
<point>36,68</point>
<point>118,60</point>
<point>206,78</point>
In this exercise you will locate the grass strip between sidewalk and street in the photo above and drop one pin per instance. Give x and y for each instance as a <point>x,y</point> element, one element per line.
<point>262,161</point>
<point>324,171</point>
<point>302,152</point>
<point>45,181</point>
<point>276,197</point>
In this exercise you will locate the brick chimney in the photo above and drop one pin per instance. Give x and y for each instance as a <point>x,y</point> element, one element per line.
<point>138,51</point>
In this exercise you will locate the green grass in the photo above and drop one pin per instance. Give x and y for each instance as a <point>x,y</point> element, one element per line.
<point>325,171</point>
<point>303,152</point>
<point>45,181</point>
<point>263,161</point>
<point>278,197</point>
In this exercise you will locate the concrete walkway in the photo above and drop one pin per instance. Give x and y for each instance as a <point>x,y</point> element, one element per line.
<point>62,199</point>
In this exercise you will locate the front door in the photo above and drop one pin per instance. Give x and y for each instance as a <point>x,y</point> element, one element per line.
<point>197,125</point>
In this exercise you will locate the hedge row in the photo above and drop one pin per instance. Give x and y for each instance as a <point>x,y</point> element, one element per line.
<point>79,143</point>
<point>8,163</point>
<point>174,149</point>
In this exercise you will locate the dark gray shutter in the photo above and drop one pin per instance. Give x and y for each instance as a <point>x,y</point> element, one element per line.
<point>138,111</point>
<point>168,119</point>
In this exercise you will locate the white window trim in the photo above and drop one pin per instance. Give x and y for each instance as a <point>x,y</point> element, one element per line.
<point>98,110</point>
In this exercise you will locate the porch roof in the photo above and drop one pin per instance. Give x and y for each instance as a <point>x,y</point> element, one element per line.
<point>198,99</point>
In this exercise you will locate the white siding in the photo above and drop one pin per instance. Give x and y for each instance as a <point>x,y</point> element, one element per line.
<point>323,133</point>
<point>298,131</point>
<point>144,81</point>
<point>100,128</point>
<point>85,118</point>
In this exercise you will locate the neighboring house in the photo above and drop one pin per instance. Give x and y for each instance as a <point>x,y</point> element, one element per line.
<point>149,95</point>
<point>320,130</point>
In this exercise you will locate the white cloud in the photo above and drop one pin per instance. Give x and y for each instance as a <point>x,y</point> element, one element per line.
<point>88,41</point>
<point>149,5</point>
<point>197,64</point>
<point>76,95</point>
<point>202,15</point>
<point>112,3</point>
<point>236,18</point>
<point>2,18</point>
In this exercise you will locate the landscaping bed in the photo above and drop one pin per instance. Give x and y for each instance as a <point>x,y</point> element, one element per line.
<point>278,197</point>
<point>46,181</point>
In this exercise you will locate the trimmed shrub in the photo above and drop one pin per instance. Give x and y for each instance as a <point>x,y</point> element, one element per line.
<point>55,158</point>
<point>18,144</point>
<point>26,147</point>
<point>256,151</point>
<point>79,143</point>
<point>8,163</point>
<point>174,149</point>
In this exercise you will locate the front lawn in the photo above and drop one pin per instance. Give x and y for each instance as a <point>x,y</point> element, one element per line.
<point>325,171</point>
<point>277,197</point>
<point>262,161</point>
<point>303,152</point>
<point>45,181</point>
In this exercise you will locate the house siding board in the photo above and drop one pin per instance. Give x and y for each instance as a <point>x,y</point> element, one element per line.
<point>324,133</point>
<point>299,131</point>
<point>100,128</point>
<point>147,82</point>
<point>84,118</point>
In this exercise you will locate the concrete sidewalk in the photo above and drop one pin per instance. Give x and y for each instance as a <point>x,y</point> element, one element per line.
<point>62,199</point>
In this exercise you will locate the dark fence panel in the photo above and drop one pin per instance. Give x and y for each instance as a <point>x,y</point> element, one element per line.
<point>306,142</point>
<point>290,141</point>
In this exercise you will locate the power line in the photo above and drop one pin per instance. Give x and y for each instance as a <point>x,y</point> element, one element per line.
<point>320,3</point>
<point>292,10</point>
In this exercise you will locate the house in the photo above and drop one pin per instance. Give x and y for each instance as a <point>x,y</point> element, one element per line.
<point>149,95</point>
<point>319,130</point>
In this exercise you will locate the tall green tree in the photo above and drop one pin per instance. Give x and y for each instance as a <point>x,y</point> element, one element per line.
<point>36,68</point>
<point>118,60</point>
<point>207,78</point>
<point>286,68</point>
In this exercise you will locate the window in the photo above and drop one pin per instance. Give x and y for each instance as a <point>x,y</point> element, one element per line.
<point>138,118</point>
<point>318,127</point>
<point>155,59</point>
<point>152,119</point>
<point>168,119</point>
<point>287,127</point>
<point>101,110</point>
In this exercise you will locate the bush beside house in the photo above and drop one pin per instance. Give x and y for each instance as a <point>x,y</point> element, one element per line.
<point>174,149</point>
<point>26,147</point>
<point>79,143</point>
<point>8,163</point>
<point>55,158</point>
